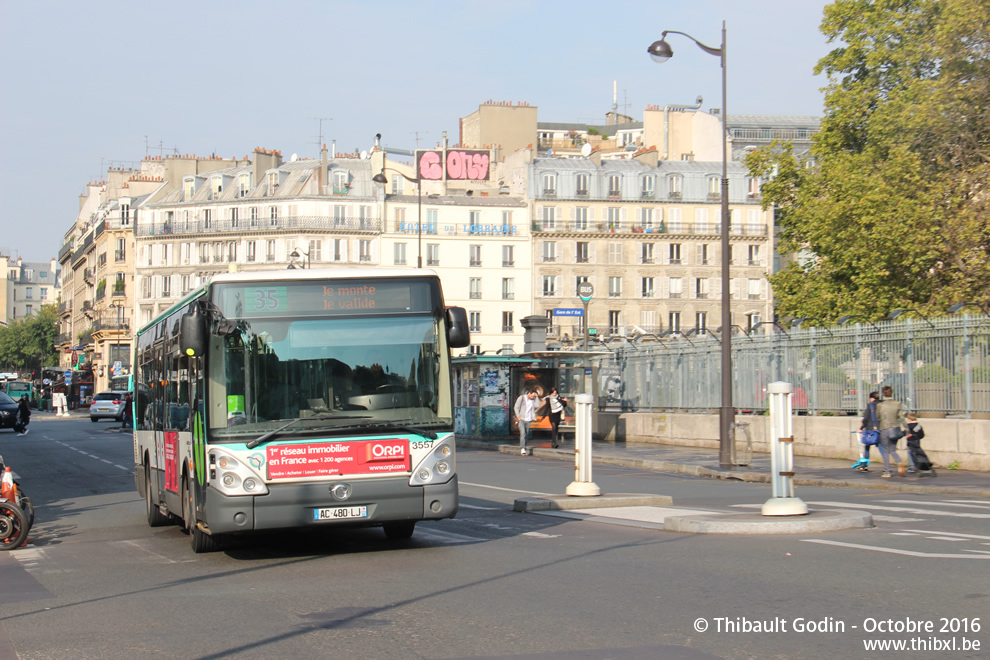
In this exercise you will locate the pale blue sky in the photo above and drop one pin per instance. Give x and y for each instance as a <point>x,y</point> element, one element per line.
<point>87,85</point>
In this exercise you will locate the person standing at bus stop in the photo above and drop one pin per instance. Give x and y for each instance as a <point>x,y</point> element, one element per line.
<point>525,410</point>
<point>557,404</point>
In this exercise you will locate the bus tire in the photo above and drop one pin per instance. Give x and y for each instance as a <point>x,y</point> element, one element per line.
<point>399,531</point>
<point>155,517</point>
<point>13,526</point>
<point>202,542</point>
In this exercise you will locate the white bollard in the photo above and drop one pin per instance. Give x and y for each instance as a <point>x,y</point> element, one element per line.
<point>783,502</point>
<point>582,486</point>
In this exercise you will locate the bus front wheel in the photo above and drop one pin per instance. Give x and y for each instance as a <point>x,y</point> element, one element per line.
<point>155,517</point>
<point>398,531</point>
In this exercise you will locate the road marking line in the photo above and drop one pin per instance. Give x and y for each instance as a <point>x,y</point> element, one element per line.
<point>931,502</point>
<point>903,534</point>
<point>480,508</point>
<point>120,466</point>
<point>139,546</point>
<point>967,501</point>
<point>106,461</point>
<point>967,536</point>
<point>541,535</point>
<point>982,552</point>
<point>507,490</point>
<point>895,551</point>
<point>448,537</point>
<point>929,512</point>
<point>946,538</point>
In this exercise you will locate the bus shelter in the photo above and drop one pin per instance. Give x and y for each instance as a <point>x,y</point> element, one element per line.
<point>486,387</point>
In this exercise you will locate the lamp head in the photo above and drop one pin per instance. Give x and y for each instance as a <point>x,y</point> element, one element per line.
<point>295,254</point>
<point>842,320</point>
<point>796,323</point>
<point>379,179</point>
<point>897,312</point>
<point>955,308</point>
<point>660,51</point>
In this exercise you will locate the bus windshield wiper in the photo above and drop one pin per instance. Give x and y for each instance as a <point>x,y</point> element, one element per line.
<point>271,434</point>
<point>398,425</point>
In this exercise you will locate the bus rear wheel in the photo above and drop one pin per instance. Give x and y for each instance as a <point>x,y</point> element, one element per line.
<point>398,531</point>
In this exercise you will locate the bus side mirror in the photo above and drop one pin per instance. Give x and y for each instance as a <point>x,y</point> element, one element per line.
<point>193,335</point>
<point>458,334</point>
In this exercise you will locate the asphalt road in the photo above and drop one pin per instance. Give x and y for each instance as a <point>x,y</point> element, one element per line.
<point>99,583</point>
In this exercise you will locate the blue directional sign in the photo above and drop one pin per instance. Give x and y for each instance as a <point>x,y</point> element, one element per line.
<point>565,311</point>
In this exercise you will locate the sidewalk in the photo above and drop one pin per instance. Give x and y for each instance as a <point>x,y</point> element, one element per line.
<point>703,462</point>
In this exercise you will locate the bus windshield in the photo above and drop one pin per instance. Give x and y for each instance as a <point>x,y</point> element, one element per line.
<point>327,372</point>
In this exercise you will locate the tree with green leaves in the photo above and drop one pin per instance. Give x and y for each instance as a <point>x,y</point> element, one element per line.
<point>29,344</point>
<point>891,209</point>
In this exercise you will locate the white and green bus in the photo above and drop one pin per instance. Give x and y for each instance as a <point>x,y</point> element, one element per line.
<point>299,398</point>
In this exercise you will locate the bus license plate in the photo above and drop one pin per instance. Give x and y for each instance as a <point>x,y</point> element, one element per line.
<point>340,513</point>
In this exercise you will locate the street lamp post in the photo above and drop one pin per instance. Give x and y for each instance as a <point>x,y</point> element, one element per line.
<point>116,352</point>
<point>661,51</point>
<point>296,254</point>
<point>380,179</point>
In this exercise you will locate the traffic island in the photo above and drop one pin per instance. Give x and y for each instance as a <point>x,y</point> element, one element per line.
<point>569,503</point>
<point>754,523</point>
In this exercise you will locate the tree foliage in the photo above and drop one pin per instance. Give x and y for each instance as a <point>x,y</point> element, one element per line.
<point>891,210</point>
<point>29,344</point>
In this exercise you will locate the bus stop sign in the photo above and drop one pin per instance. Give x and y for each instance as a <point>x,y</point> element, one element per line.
<point>586,291</point>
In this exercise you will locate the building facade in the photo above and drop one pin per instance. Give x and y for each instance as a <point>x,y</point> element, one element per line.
<point>27,286</point>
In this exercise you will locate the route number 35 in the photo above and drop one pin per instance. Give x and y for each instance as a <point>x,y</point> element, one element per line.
<point>265,299</point>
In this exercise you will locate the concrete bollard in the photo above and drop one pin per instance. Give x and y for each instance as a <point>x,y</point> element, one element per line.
<point>582,486</point>
<point>783,502</point>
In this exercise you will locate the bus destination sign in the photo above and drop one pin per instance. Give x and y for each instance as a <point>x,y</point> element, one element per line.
<point>342,297</point>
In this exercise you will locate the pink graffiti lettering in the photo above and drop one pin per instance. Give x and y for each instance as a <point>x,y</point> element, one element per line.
<point>467,165</point>
<point>429,166</point>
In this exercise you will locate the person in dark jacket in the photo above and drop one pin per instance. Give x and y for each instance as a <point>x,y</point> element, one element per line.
<point>23,416</point>
<point>869,424</point>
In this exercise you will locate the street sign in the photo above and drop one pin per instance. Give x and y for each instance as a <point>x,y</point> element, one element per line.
<point>68,377</point>
<point>567,311</point>
<point>586,291</point>
<point>592,331</point>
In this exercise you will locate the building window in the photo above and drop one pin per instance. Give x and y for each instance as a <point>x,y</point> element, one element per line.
<point>714,187</point>
<point>400,254</point>
<point>581,253</point>
<point>701,322</point>
<point>613,185</point>
<point>218,251</point>
<point>431,221</point>
<point>475,287</point>
<point>125,215</point>
<point>649,185</point>
<point>364,250</point>
<point>270,251</point>
<point>701,287</point>
<point>549,217</point>
<point>614,322</point>
<point>614,219</point>
<point>675,183</point>
<point>550,286</point>
<point>432,254</point>
<point>474,321</point>
<point>339,182</point>
<point>754,255</point>
<point>506,321</point>
<point>475,255</point>
<point>648,290</point>
<point>753,289</point>
<point>752,321</point>
<point>166,286</point>
<point>506,218</point>
<point>581,218</point>
<point>400,217</point>
<point>207,219</point>
<point>703,254</point>
<point>272,182</point>
<point>615,286</point>
<point>675,253</point>
<point>508,258</point>
<point>508,288</point>
<point>338,249</point>
<point>243,185</point>
<point>254,216</point>
<point>474,218</point>
<point>648,253</point>
<point>674,221</point>
<point>752,188</point>
<point>549,251</point>
<point>233,218</point>
<point>582,184</point>
<point>615,253</point>
<point>186,284</point>
<point>232,251</point>
<point>549,185</point>
<point>674,321</point>
<point>120,251</point>
<point>646,219</point>
<point>252,250</point>
<point>315,252</point>
<point>674,287</point>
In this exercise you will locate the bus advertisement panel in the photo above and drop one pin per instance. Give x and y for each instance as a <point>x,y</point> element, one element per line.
<point>265,400</point>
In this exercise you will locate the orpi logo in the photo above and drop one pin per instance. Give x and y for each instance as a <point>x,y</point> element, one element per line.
<point>386,451</point>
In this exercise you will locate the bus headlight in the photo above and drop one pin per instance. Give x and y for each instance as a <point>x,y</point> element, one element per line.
<point>235,477</point>
<point>438,466</point>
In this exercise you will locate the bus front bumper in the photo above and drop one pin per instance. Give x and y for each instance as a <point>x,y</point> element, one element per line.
<point>292,505</point>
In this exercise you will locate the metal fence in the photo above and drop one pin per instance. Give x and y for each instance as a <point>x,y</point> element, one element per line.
<point>936,368</point>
